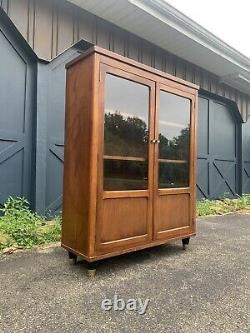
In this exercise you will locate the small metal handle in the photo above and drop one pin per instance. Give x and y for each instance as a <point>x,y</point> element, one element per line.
<point>155,141</point>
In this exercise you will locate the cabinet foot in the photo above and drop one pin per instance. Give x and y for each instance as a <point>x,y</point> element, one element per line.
<point>185,242</point>
<point>91,273</point>
<point>73,256</point>
<point>91,269</point>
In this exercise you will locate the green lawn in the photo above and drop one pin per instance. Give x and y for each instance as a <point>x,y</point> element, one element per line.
<point>21,228</point>
<point>222,207</point>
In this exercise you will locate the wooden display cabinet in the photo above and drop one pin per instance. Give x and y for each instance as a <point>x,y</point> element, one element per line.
<point>130,157</point>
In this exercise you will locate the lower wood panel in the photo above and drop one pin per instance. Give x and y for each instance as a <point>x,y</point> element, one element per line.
<point>172,212</point>
<point>123,221</point>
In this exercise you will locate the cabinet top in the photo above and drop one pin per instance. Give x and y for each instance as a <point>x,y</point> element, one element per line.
<point>103,52</point>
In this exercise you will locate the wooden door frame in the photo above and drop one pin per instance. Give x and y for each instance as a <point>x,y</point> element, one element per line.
<point>163,86</point>
<point>124,71</point>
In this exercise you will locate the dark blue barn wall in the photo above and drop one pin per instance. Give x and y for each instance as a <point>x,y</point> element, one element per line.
<point>51,84</point>
<point>17,93</point>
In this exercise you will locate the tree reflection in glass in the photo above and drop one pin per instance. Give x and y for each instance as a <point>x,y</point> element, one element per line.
<point>174,135</point>
<point>125,135</point>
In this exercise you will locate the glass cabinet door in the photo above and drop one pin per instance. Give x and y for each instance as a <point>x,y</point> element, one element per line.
<point>174,178</point>
<point>126,135</point>
<point>174,141</point>
<point>125,170</point>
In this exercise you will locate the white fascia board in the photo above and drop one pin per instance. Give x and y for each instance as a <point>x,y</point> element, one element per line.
<point>166,13</point>
<point>237,81</point>
<point>224,59</point>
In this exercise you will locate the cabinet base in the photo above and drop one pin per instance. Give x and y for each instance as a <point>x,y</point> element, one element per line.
<point>92,259</point>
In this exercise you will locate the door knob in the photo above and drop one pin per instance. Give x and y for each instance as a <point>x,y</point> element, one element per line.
<point>155,141</point>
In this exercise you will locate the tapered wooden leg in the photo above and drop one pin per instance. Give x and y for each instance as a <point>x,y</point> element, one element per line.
<point>185,242</point>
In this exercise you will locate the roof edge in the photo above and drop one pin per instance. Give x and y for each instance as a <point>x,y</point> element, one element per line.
<point>163,11</point>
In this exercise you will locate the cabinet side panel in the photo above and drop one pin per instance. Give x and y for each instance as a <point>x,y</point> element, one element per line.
<point>75,228</point>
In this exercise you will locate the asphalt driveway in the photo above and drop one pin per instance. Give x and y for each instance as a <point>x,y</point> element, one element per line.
<point>203,289</point>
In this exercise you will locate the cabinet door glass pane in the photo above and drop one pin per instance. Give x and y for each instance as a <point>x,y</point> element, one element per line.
<point>125,135</point>
<point>174,136</point>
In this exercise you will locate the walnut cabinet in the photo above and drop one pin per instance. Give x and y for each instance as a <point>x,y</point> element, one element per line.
<point>130,157</point>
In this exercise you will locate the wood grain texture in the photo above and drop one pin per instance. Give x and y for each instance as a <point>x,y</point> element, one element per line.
<point>120,222</point>
<point>58,25</point>
<point>172,212</point>
<point>77,170</point>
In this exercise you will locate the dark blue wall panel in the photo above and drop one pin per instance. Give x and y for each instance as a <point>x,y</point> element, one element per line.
<point>50,130</point>
<point>55,131</point>
<point>17,88</point>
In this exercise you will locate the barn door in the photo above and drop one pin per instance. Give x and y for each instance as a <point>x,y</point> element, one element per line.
<point>218,152</point>
<point>15,122</point>
<point>174,163</point>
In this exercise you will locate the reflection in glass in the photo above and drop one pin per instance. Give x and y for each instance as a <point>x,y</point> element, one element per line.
<point>124,175</point>
<point>125,135</point>
<point>173,175</point>
<point>174,135</point>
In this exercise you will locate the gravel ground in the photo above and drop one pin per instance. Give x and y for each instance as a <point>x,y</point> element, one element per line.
<point>203,289</point>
